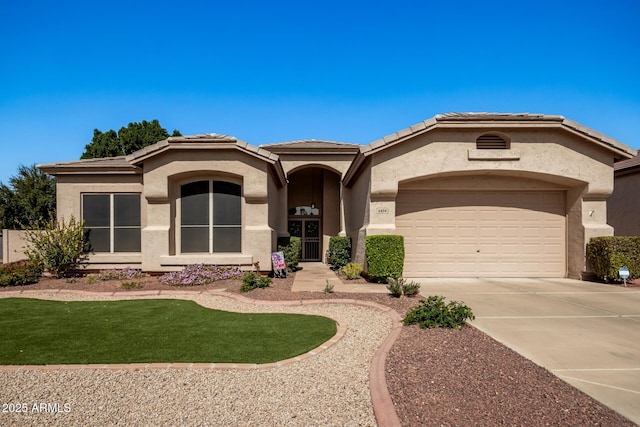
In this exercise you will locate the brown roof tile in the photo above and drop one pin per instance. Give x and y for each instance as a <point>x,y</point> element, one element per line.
<point>627,164</point>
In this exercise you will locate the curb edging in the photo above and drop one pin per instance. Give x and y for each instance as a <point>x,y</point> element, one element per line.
<point>383,407</point>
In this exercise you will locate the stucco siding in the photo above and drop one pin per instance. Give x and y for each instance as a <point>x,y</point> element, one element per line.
<point>356,205</point>
<point>445,151</point>
<point>623,206</point>
<point>543,158</point>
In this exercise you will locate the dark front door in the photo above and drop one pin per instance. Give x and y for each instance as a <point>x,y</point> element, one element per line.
<point>308,230</point>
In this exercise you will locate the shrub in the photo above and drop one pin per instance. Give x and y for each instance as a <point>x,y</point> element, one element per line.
<point>59,248</point>
<point>253,280</point>
<point>434,313</point>
<point>385,256</point>
<point>352,270</point>
<point>291,247</point>
<point>200,274</point>
<point>394,287</point>
<point>120,274</point>
<point>399,287</point>
<point>410,289</point>
<point>339,252</point>
<point>19,273</point>
<point>607,254</point>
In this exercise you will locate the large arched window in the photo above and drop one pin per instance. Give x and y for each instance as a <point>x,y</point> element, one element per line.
<point>210,217</point>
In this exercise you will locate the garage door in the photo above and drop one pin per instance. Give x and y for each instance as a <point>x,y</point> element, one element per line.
<point>482,233</point>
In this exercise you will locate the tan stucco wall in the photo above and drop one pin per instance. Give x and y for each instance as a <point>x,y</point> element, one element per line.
<point>356,206</point>
<point>339,163</point>
<point>623,206</point>
<point>163,175</point>
<point>14,243</point>
<point>553,156</point>
<point>69,190</point>
<point>332,209</point>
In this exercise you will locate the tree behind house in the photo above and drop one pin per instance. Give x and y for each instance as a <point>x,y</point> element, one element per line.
<point>29,200</point>
<point>127,140</point>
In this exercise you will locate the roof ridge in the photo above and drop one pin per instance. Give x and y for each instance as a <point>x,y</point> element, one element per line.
<point>311,140</point>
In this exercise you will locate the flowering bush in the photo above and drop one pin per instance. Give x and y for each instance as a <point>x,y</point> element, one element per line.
<point>19,273</point>
<point>59,248</point>
<point>200,274</point>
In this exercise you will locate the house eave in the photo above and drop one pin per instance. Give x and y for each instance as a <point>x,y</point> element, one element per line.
<point>489,121</point>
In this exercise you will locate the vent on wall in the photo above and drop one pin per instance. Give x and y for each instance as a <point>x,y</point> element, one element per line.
<point>491,142</point>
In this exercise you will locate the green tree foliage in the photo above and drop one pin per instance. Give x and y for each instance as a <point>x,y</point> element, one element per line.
<point>127,140</point>
<point>29,201</point>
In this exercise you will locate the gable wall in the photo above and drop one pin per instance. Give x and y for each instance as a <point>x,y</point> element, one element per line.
<point>555,157</point>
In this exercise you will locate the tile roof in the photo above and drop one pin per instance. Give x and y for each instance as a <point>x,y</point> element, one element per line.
<point>497,117</point>
<point>624,165</point>
<point>310,146</point>
<point>97,165</point>
<point>192,141</point>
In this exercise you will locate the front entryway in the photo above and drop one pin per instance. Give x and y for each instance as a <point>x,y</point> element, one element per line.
<point>313,209</point>
<point>308,230</point>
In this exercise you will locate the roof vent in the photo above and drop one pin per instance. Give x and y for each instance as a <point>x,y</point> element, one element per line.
<point>491,142</point>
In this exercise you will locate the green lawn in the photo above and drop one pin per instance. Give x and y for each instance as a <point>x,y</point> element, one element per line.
<point>38,332</point>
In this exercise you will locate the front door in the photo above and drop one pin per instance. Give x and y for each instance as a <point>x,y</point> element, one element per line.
<point>308,229</point>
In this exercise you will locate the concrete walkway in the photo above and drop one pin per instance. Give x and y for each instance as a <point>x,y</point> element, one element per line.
<point>315,276</point>
<point>586,333</point>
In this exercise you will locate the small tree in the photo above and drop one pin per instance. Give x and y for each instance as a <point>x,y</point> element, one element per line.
<point>29,200</point>
<point>59,248</point>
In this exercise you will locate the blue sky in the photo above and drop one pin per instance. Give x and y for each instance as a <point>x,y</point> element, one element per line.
<point>350,71</point>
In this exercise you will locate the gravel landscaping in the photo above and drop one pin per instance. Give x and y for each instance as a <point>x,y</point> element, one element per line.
<point>435,377</point>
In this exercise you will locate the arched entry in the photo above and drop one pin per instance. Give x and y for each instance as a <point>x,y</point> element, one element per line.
<point>313,206</point>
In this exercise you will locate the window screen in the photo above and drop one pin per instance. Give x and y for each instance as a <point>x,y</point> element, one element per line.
<point>112,222</point>
<point>211,217</point>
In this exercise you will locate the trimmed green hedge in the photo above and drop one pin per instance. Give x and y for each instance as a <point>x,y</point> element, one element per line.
<point>385,256</point>
<point>339,251</point>
<point>291,247</point>
<point>607,254</point>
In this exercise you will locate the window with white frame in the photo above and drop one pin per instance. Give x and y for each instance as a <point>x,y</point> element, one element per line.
<point>112,221</point>
<point>210,217</point>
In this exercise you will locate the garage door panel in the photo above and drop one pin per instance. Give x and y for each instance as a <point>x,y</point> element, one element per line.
<point>483,233</point>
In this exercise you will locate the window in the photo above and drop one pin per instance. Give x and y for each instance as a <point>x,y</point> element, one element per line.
<point>210,217</point>
<point>491,142</point>
<point>112,222</point>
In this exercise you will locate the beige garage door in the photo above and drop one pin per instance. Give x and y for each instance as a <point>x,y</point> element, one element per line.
<point>482,233</point>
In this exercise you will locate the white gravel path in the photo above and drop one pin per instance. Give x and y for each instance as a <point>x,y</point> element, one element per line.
<point>328,389</point>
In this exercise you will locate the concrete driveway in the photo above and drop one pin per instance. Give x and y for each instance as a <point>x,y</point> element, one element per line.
<point>586,333</point>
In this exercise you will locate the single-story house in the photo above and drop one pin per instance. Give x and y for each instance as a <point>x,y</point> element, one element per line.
<point>623,206</point>
<point>473,194</point>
